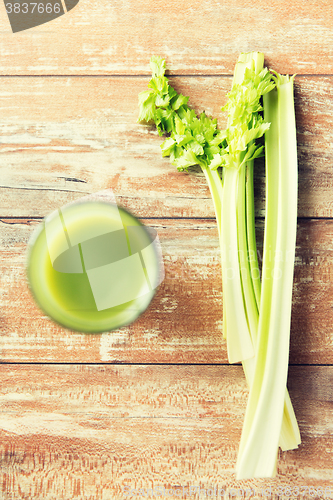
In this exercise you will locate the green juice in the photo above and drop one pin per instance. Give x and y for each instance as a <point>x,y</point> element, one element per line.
<point>93,267</point>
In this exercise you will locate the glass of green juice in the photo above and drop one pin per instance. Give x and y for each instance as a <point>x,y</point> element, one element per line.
<point>93,267</point>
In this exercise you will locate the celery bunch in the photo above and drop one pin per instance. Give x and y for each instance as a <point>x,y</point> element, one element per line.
<point>256,319</point>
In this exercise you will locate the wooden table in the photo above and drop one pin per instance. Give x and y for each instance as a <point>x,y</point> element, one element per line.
<point>155,404</point>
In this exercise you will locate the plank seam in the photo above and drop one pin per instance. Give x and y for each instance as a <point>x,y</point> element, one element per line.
<point>258,218</point>
<point>146,75</point>
<point>120,363</point>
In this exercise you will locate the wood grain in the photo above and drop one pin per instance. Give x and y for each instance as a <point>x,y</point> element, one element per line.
<point>197,37</point>
<point>155,403</point>
<point>62,138</point>
<point>87,431</point>
<point>184,321</point>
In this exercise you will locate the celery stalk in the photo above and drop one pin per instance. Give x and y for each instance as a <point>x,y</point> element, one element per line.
<point>239,341</point>
<point>241,308</point>
<point>193,140</point>
<point>251,235</point>
<point>252,310</point>
<point>247,252</point>
<point>214,182</point>
<point>215,186</point>
<point>267,404</point>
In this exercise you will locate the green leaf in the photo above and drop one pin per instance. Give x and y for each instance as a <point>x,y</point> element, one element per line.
<point>147,107</point>
<point>159,85</point>
<point>193,140</point>
<point>167,146</point>
<point>180,126</point>
<point>188,159</point>
<point>216,162</point>
<point>219,138</point>
<point>157,65</point>
<point>195,147</point>
<point>178,101</point>
<point>162,100</point>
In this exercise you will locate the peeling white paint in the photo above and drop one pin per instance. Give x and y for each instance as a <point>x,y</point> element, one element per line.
<point>15,396</point>
<point>24,139</point>
<point>109,341</point>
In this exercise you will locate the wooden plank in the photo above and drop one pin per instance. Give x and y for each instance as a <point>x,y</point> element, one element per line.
<point>88,431</point>
<point>78,430</point>
<point>62,138</point>
<point>184,321</point>
<point>197,38</point>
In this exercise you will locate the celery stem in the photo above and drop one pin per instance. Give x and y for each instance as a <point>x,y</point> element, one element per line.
<point>267,398</point>
<point>251,307</point>
<point>214,182</point>
<point>239,341</point>
<point>251,234</point>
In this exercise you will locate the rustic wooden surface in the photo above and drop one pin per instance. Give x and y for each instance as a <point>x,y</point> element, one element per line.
<point>155,403</point>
